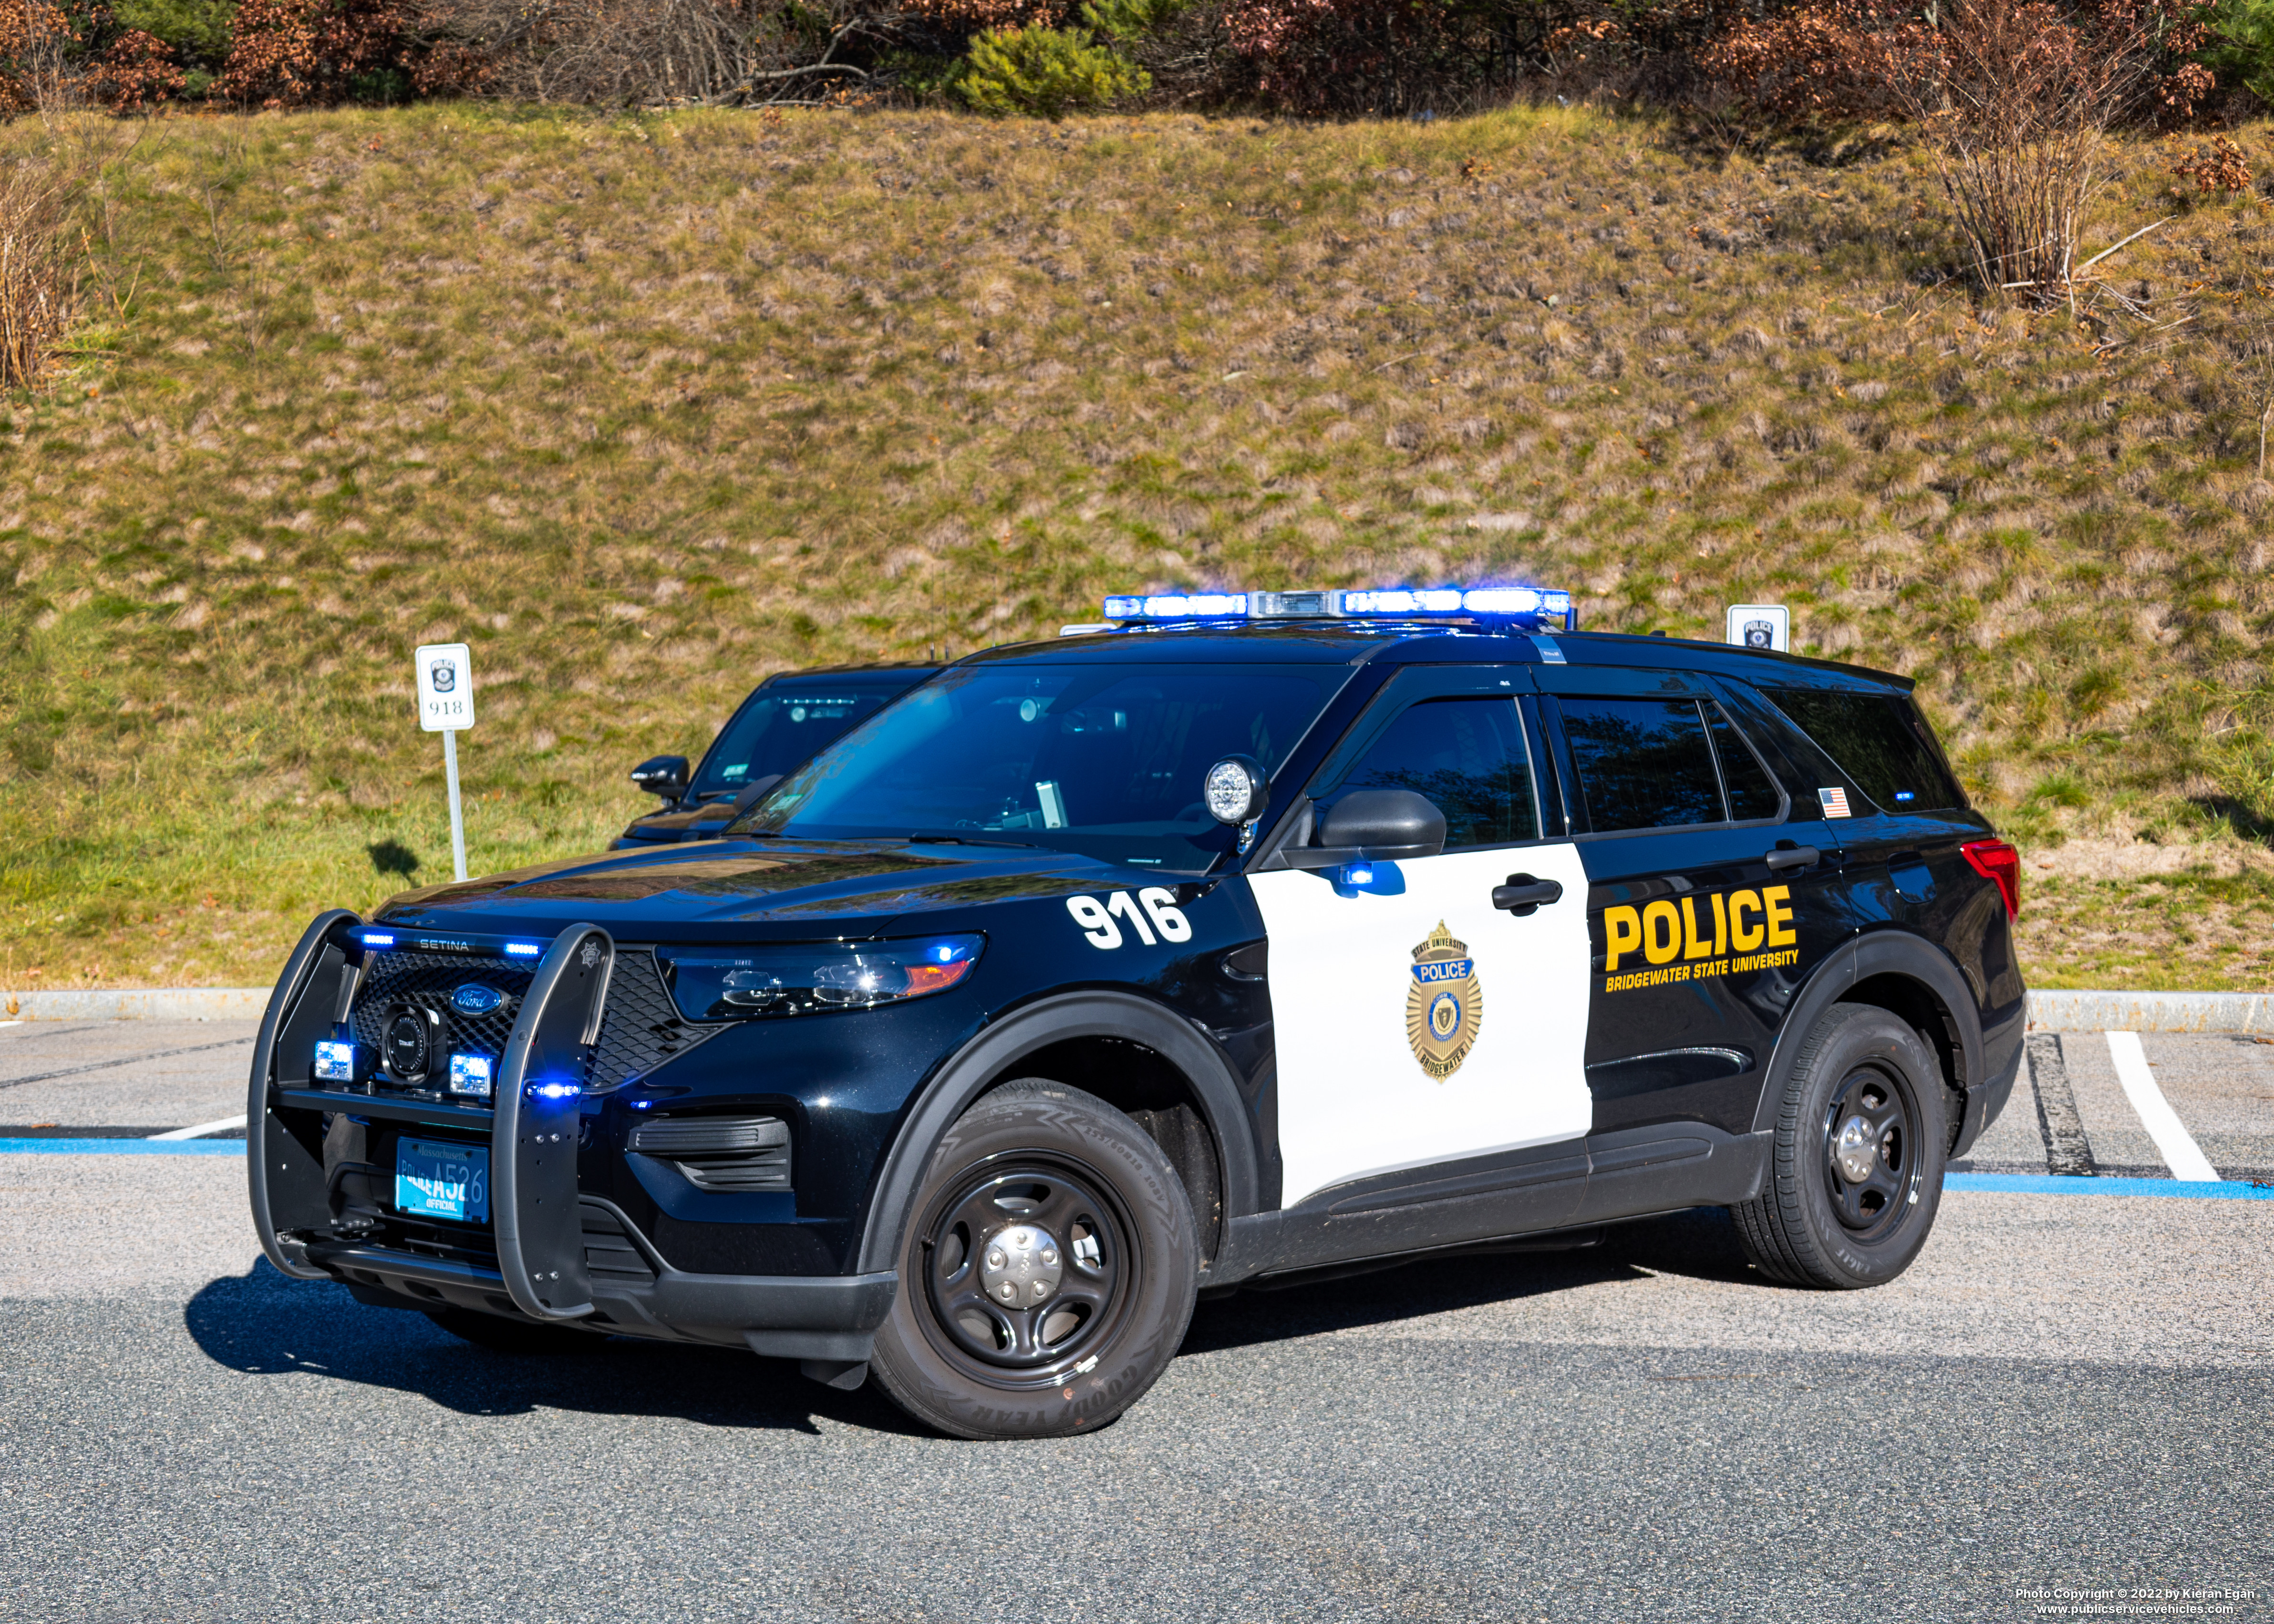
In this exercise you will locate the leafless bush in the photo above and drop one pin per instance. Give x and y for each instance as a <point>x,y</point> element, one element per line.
<point>38,282</point>
<point>36,39</point>
<point>627,53</point>
<point>2015,98</point>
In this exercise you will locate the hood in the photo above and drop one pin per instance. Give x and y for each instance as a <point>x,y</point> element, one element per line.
<point>755,888</point>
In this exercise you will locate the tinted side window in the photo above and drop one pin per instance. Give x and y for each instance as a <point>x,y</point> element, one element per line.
<point>1467,755</point>
<point>1880,741</point>
<point>1642,763</point>
<point>1752,792</point>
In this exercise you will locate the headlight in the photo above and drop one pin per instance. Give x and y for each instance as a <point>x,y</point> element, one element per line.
<point>805,978</point>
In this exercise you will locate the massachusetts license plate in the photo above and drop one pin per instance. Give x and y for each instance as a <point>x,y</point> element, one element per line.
<point>436,1179</point>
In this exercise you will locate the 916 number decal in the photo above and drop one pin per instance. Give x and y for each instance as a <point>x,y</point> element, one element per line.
<point>1152,909</point>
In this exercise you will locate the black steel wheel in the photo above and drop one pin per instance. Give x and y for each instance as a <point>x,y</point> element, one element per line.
<point>1861,1135</point>
<point>1048,1272</point>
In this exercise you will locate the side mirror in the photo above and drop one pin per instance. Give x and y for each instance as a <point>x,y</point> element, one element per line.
<point>1384,825</point>
<point>662,775</point>
<point>1235,789</point>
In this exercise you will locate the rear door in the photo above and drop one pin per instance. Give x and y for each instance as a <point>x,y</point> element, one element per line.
<point>1416,1024</point>
<point>1711,894</point>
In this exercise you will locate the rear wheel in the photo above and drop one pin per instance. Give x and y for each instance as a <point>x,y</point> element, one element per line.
<point>1861,1138</point>
<point>1048,1272</point>
<point>499,1335</point>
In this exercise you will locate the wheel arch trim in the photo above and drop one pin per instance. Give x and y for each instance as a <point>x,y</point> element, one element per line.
<point>1884,953</point>
<point>1000,1046</point>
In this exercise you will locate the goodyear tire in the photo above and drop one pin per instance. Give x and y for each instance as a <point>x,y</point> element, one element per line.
<point>1048,1272</point>
<point>1861,1137</point>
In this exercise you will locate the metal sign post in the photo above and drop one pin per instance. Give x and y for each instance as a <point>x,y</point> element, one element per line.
<point>445,704</point>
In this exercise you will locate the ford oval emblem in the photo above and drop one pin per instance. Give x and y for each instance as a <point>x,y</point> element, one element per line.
<point>475,999</point>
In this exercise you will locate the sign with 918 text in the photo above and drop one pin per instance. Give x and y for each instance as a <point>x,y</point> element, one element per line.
<point>446,687</point>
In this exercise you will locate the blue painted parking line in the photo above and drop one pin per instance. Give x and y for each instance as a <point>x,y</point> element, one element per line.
<point>2038,1184</point>
<point>122,1147</point>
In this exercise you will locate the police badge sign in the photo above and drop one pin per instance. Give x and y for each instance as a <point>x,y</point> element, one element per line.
<point>1444,1008</point>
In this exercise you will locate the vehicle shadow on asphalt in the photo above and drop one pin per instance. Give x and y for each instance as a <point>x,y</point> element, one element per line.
<point>261,1323</point>
<point>1700,1243</point>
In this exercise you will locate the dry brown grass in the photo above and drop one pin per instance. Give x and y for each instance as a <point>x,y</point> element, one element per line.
<point>39,273</point>
<point>645,408</point>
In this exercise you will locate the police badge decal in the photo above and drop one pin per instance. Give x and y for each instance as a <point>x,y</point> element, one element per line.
<point>1445,1007</point>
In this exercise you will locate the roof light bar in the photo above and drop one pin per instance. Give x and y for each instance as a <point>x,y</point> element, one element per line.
<point>1537,607</point>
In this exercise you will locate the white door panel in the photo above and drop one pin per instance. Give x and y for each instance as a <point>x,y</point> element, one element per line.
<point>1354,1095</point>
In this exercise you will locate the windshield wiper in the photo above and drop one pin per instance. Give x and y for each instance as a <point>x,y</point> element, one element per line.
<point>1024,845</point>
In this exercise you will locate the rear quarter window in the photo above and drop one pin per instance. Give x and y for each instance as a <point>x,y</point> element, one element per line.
<point>1880,741</point>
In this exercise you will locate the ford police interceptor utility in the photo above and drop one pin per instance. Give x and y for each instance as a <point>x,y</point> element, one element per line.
<point>1250,935</point>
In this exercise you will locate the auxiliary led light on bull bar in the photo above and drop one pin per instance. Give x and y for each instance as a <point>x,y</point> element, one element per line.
<point>376,938</point>
<point>524,950</point>
<point>469,1074</point>
<point>555,1091</point>
<point>334,1062</point>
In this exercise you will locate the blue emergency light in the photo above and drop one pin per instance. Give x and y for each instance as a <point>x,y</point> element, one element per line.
<point>376,938</point>
<point>524,950</point>
<point>336,1062</point>
<point>1528,608</point>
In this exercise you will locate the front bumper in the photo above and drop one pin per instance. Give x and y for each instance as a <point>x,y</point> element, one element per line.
<point>788,1317</point>
<point>550,1252</point>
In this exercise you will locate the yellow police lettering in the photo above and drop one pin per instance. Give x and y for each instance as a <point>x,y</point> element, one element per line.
<point>1743,937</point>
<point>1622,934</point>
<point>1779,898</point>
<point>1720,925</point>
<point>1691,946</point>
<point>1657,952</point>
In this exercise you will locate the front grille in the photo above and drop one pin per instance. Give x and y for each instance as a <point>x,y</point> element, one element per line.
<point>640,1029</point>
<point>426,981</point>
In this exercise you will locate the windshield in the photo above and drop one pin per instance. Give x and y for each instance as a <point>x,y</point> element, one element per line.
<point>782,726</point>
<point>1105,760</point>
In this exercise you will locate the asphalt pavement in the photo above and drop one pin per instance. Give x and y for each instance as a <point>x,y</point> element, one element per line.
<point>2066,1392</point>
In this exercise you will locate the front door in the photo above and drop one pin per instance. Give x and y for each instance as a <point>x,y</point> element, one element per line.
<point>1415,1023</point>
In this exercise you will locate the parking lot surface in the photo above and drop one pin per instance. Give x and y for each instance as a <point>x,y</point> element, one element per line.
<point>2065,1391</point>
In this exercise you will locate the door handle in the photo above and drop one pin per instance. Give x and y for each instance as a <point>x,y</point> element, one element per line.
<point>1522,895</point>
<point>1792,857</point>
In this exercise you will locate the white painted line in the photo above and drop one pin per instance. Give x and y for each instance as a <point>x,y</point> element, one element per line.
<point>204,1128</point>
<point>2180,1150</point>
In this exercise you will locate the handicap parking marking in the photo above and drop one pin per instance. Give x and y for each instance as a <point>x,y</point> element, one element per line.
<point>2177,1146</point>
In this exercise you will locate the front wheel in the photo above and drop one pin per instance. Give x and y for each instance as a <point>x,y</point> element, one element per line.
<point>1048,1272</point>
<point>1861,1135</point>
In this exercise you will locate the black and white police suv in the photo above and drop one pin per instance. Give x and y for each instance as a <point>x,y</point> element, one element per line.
<point>1244,935</point>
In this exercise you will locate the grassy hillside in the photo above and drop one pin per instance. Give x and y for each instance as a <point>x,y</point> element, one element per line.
<point>643,409</point>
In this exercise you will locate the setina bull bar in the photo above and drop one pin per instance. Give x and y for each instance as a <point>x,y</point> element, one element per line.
<point>533,1122</point>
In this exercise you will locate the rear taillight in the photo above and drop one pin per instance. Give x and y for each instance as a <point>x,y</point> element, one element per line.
<point>1994,860</point>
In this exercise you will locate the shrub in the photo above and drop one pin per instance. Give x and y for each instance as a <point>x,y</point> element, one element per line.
<point>2242,44</point>
<point>38,48</point>
<point>198,33</point>
<point>306,53</point>
<point>1047,72</point>
<point>37,287</point>
<point>2217,167</point>
<point>137,73</point>
<point>1361,56</point>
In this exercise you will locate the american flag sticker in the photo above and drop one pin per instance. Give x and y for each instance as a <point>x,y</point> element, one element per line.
<point>1835,802</point>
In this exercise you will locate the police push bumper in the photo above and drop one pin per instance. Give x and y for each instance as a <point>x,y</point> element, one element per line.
<point>320,1106</point>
